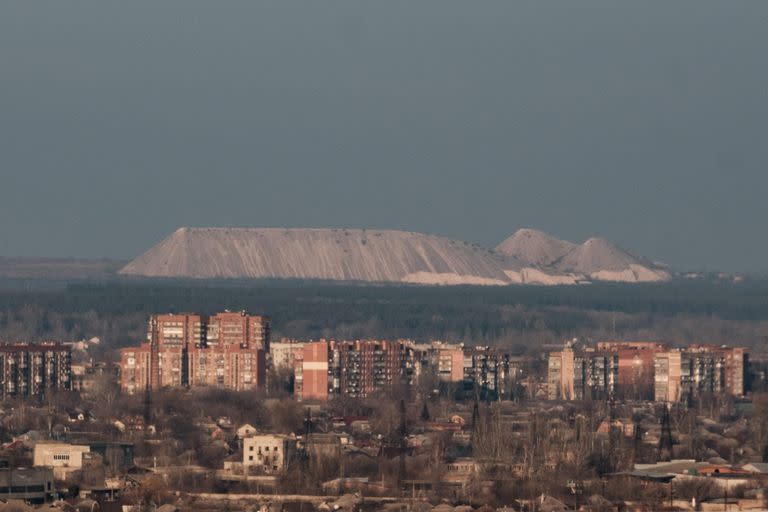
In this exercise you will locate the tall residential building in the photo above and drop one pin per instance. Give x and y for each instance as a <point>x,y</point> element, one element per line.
<point>646,371</point>
<point>361,368</point>
<point>311,371</point>
<point>364,367</point>
<point>561,374</point>
<point>283,353</point>
<point>358,368</point>
<point>634,368</point>
<point>486,370</point>
<point>450,362</point>
<point>226,350</point>
<point>32,369</point>
<point>714,369</point>
<point>667,376</point>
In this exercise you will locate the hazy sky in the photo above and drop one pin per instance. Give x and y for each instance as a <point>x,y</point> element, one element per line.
<point>645,122</point>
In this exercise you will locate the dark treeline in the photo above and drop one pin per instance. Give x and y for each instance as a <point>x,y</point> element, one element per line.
<point>680,311</point>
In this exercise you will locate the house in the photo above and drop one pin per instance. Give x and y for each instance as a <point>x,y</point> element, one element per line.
<point>461,470</point>
<point>245,430</point>
<point>320,446</point>
<point>268,453</point>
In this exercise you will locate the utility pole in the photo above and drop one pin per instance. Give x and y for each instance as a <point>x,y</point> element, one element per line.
<point>403,446</point>
<point>665,442</point>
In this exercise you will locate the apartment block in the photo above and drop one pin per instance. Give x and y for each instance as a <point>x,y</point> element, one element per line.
<point>358,368</point>
<point>226,350</point>
<point>283,353</point>
<point>668,376</point>
<point>450,362</point>
<point>311,372</point>
<point>486,370</point>
<point>645,371</point>
<point>362,368</point>
<point>32,369</point>
<point>561,374</point>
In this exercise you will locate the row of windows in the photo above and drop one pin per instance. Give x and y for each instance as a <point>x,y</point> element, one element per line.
<point>266,448</point>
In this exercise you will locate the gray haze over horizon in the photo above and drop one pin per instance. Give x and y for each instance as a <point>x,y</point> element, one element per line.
<point>642,122</point>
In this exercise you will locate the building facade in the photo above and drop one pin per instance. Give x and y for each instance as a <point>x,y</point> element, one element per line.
<point>645,371</point>
<point>311,372</point>
<point>227,350</point>
<point>361,368</point>
<point>31,485</point>
<point>268,453</point>
<point>283,353</point>
<point>32,369</point>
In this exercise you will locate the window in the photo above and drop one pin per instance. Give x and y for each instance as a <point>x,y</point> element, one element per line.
<point>250,457</point>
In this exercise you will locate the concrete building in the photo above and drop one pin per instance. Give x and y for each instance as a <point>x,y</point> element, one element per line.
<point>226,350</point>
<point>646,371</point>
<point>282,354</point>
<point>364,367</point>
<point>135,368</point>
<point>561,374</point>
<point>32,485</point>
<point>486,369</point>
<point>31,369</point>
<point>348,368</point>
<point>268,453</point>
<point>667,376</point>
<point>63,458</point>
<point>634,362</point>
<point>450,362</point>
<point>361,368</point>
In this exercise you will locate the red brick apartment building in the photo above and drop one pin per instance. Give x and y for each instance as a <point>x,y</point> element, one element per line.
<point>311,371</point>
<point>350,368</point>
<point>227,350</point>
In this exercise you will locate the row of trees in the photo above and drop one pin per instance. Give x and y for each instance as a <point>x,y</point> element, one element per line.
<point>516,317</point>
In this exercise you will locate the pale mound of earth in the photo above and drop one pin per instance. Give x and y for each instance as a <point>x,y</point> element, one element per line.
<point>534,247</point>
<point>386,256</point>
<point>597,255</point>
<point>325,254</point>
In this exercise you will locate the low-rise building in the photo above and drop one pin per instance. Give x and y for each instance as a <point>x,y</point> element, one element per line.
<point>33,485</point>
<point>63,458</point>
<point>268,453</point>
<point>86,376</point>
